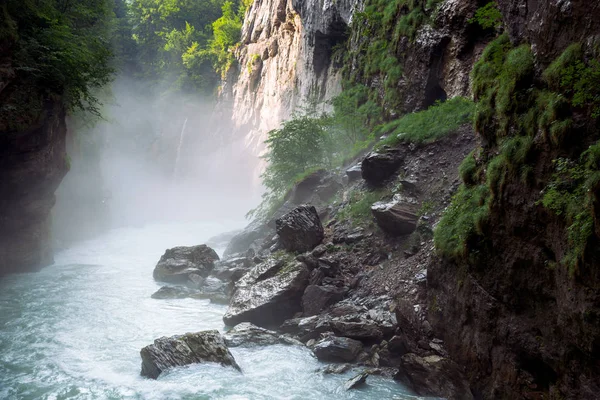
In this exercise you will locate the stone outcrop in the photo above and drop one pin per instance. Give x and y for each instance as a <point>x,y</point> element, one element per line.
<point>379,165</point>
<point>300,230</point>
<point>268,294</point>
<point>337,349</point>
<point>248,335</point>
<point>185,264</point>
<point>191,348</point>
<point>434,376</point>
<point>395,217</point>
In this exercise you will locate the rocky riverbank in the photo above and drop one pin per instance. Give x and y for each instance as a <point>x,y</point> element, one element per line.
<point>352,289</point>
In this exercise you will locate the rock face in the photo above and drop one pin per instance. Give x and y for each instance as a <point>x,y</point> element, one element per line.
<point>33,162</point>
<point>268,294</point>
<point>434,376</point>
<point>191,348</point>
<point>248,335</point>
<point>380,165</point>
<point>337,349</point>
<point>300,230</point>
<point>317,298</point>
<point>395,218</point>
<point>179,263</point>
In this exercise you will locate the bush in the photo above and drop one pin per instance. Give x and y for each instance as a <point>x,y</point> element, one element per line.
<point>488,16</point>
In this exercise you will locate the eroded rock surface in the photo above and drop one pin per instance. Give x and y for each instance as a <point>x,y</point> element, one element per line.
<point>300,230</point>
<point>178,263</point>
<point>268,294</point>
<point>191,348</point>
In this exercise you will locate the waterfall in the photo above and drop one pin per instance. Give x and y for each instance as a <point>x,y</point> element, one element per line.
<point>181,136</point>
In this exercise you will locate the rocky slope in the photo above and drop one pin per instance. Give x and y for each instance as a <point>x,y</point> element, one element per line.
<point>512,313</point>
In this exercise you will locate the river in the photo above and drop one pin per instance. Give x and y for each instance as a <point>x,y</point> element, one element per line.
<point>75,329</point>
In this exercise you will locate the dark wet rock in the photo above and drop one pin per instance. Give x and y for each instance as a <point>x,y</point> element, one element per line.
<point>178,263</point>
<point>251,236</point>
<point>395,218</point>
<point>357,381</point>
<point>319,250</point>
<point>354,173</point>
<point>232,269</point>
<point>336,369</point>
<point>318,298</point>
<point>380,165</point>
<point>337,349</point>
<point>213,285</point>
<point>317,188</point>
<point>191,348</point>
<point>365,329</point>
<point>433,376</point>
<point>172,292</point>
<point>300,230</point>
<point>247,335</point>
<point>268,294</point>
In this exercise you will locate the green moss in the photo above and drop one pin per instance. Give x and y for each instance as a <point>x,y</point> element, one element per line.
<point>463,222</point>
<point>569,195</point>
<point>468,169</point>
<point>358,209</point>
<point>429,125</point>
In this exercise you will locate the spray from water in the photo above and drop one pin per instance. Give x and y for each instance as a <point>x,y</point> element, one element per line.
<point>178,155</point>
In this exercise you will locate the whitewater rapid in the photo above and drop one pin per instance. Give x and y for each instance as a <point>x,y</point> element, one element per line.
<point>75,329</point>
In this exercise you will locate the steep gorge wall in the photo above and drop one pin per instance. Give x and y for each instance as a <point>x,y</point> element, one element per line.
<point>284,60</point>
<point>526,323</point>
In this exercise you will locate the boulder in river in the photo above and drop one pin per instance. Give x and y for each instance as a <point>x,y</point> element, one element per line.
<point>191,348</point>
<point>300,230</point>
<point>337,349</point>
<point>172,292</point>
<point>178,263</point>
<point>395,217</point>
<point>269,293</point>
<point>357,381</point>
<point>247,335</point>
<point>379,165</point>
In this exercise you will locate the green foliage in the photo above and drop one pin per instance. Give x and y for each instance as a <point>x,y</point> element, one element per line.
<point>569,195</point>
<point>577,78</point>
<point>463,222</point>
<point>185,44</point>
<point>432,124</point>
<point>488,16</point>
<point>60,47</point>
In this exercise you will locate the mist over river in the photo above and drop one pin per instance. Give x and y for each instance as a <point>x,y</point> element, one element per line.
<point>75,329</point>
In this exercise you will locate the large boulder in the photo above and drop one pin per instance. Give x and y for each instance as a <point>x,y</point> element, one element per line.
<point>173,292</point>
<point>337,349</point>
<point>191,348</point>
<point>269,293</point>
<point>379,165</point>
<point>318,298</point>
<point>300,230</point>
<point>178,263</point>
<point>434,376</point>
<point>363,330</point>
<point>248,335</point>
<point>395,217</point>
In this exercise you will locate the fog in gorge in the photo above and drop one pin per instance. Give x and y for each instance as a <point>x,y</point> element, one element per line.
<point>155,157</point>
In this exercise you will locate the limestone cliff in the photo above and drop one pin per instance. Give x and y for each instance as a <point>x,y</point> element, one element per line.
<point>284,61</point>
